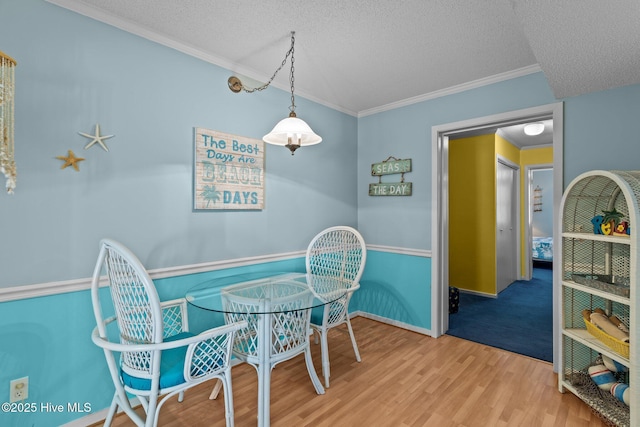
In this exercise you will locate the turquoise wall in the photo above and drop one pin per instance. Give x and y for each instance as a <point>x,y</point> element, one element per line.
<point>396,287</point>
<point>49,340</point>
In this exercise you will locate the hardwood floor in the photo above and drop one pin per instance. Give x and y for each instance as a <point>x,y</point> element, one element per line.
<point>404,379</point>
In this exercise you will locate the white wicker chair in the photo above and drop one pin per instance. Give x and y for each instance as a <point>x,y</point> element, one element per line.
<point>337,252</point>
<point>288,322</point>
<point>158,354</point>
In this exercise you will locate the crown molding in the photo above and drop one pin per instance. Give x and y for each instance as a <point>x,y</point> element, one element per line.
<point>454,89</point>
<point>149,34</point>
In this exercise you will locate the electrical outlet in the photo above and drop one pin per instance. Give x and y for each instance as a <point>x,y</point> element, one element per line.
<point>19,389</point>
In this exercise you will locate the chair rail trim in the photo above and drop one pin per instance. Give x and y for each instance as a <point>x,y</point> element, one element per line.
<point>74,285</point>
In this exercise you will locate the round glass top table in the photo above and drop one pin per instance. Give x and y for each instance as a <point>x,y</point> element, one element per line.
<point>266,292</point>
<point>277,308</point>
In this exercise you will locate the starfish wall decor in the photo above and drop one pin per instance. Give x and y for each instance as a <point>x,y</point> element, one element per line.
<point>70,160</point>
<point>97,138</point>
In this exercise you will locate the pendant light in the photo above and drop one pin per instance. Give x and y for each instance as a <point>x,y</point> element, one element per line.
<point>291,132</point>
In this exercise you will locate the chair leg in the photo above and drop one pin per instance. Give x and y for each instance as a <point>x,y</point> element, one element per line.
<point>125,405</point>
<point>112,412</point>
<point>152,412</point>
<point>228,398</point>
<point>324,348</point>
<point>312,371</point>
<point>144,402</point>
<point>353,340</point>
<point>216,390</point>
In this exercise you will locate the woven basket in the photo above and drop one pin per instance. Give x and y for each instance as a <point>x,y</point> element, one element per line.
<point>620,347</point>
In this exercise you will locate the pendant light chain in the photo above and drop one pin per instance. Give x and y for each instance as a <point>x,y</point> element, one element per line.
<point>284,61</point>
<point>291,78</point>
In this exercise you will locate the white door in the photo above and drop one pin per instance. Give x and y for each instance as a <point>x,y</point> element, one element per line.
<point>507,226</point>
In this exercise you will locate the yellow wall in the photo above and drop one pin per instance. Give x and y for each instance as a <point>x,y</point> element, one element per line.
<point>536,156</point>
<point>507,150</point>
<point>472,214</point>
<point>472,207</point>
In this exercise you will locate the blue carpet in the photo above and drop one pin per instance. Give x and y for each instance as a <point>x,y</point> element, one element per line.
<point>519,320</point>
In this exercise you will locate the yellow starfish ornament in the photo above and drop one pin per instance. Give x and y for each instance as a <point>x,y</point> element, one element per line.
<point>70,160</point>
<point>96,138</point>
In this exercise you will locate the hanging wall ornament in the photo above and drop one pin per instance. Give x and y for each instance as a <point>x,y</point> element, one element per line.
<point>7,88</point>
<point>70,160</point>
<point>97,138</point>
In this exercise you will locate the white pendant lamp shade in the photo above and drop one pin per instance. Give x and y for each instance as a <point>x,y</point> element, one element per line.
<point>292,131</point>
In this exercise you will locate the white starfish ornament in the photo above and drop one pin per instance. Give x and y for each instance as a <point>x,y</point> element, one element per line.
<point>97,138</point>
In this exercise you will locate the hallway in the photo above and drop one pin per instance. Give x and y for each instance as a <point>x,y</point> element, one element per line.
<point>520,319</point>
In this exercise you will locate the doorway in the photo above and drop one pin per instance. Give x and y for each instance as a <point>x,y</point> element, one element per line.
<point>539,217</point>
<point>440,202</point>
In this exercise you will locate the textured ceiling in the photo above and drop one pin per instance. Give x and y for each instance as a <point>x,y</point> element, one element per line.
<point>363,56</point>
<point>583,46</point>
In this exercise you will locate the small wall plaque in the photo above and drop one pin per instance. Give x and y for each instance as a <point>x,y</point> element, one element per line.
<point>390,189</point>
<point>391,166</point>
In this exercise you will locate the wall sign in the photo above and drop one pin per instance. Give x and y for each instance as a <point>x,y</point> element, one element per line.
<point>228,171</point>
<point>391,166</point>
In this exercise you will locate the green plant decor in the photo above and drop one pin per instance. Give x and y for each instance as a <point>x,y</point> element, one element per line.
<point>612,215</point>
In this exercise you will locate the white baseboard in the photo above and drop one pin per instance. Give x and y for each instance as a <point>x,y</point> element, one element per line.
<point>391,322</point>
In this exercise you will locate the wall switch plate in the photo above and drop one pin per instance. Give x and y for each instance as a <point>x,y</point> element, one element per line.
<point>19,389</point>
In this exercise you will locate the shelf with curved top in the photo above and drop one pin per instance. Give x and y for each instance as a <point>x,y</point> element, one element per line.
<point>600,272</point>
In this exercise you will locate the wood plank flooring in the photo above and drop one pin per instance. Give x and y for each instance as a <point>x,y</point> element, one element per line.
<point>404,379</point>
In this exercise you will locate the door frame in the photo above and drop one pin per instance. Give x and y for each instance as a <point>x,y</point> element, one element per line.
<point>515,206</point>
<point>527,274</point>
<point>440,196</point>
